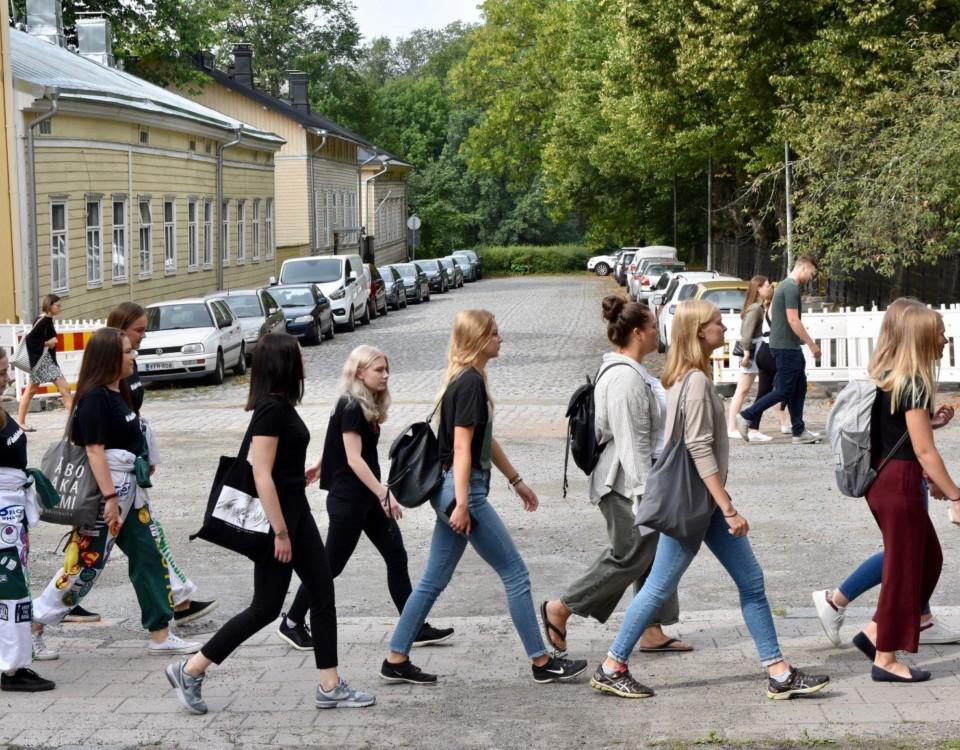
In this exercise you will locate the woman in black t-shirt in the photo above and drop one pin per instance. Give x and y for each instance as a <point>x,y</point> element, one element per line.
<point>103,420</point>
<point>42,350</point>
<point>278,451</point>
<point>357,501</point>
<point>467,451</point>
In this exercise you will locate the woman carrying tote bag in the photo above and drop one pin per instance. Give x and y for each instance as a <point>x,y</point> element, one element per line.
<point>697,332</point>
<point>42,350</point>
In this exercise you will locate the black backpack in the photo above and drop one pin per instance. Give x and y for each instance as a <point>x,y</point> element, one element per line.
<point>581,430</point>
<point>415,471</point>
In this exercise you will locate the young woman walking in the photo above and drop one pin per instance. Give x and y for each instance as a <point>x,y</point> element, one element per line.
<point>278,451</point>
<point>464,514</point>
<point>628,422</point>
<point>42,350</point>
<point>830,604</point>
<point>103,420</point>
<point>357,501</point>
<point>18,512</point>
<point>757,360</point>
<point>697,331</point>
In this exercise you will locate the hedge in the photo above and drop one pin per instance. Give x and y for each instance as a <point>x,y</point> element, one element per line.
<point>516,260</point>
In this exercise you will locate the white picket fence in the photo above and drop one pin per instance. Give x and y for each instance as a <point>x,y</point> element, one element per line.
<point>846,340</point>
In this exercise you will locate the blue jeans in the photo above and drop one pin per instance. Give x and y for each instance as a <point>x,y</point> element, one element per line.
<point>789,386</point>
<point>870,571</point>
<point>492,542</point>
<point>736,556</point>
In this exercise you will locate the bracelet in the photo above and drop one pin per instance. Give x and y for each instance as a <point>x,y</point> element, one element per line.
<point>735,513</point>
<point>282,534</point>
<point>516,480</point>
<point>111,496</point>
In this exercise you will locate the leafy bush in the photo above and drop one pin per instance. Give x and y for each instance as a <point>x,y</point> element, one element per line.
<point>519,260</point>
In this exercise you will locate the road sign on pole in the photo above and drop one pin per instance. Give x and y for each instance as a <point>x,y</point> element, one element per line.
<point>413,224</point>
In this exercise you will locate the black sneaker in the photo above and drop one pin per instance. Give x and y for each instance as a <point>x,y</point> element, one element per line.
<point>429,635</point>
<point>195,611</point>
<point>620,684</point>
<point>79,614</point>
<point>298,636</point>
<point>557,669</point>
<point>25,681</point>
<point>406,672</point>
<point>797,684</point>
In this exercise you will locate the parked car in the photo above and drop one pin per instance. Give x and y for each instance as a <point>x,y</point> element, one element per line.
<point>393,285</point>
<point>306,310</point>
<point>436,275</point>
<point>647,274</point>
<point>682,286</point>
<point>470,264</point>
<point>650,252</point>
<point>377,296</point>
<point>623,262</point>
<point>258,312</point>
<point>191,338</point>
<point>602,265</point>
<point>453,271</point>
<point>726,294</point>
<point>416,285</point>
<point>341,278</point>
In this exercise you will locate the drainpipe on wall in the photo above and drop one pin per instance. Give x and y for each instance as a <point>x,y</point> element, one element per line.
<point>360,197</point>
<point>33,256</point>
<point>238,136</point>
<point>314,238</point>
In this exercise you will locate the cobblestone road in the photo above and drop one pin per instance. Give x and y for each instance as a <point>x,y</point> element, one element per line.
<point>807,536</point>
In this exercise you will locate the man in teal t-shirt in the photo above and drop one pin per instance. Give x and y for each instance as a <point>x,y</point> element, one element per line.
<point>787,336</point>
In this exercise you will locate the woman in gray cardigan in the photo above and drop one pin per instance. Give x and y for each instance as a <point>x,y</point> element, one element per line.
<point>629,427</point>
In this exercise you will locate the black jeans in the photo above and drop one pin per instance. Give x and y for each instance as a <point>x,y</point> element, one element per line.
<point>767,366</point>
<point>349,518</point>
<point>271,580</point>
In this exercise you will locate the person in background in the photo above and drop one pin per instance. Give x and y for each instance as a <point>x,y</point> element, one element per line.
<point>42,350</point>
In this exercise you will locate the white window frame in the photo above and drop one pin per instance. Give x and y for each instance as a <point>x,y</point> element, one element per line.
<point>207,233</point>
<point>119,248</point>
<point>192,235</point>
<point>94,243</point>
<point>170,237</point>
<point>145,229</point>
<point>225,233</point>
<point>255,231</point>
<point>241,231</point>
<point>268,227</point>
<point>60,248</point>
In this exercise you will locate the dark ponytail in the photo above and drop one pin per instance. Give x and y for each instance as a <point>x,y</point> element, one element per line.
<point>623,317</point>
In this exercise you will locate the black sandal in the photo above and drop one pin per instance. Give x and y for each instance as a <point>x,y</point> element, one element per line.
<point>548,626</point>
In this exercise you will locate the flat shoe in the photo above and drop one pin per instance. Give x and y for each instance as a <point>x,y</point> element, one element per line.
<point>879,674</point>
<point>863,643</point>
<point>666,647</point>
<point>549,626</point>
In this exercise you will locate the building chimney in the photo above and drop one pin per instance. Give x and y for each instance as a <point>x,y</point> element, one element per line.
<point>95,39</point>
<point>45,20</point>
<point>242,69</point>
<point>297,86</point>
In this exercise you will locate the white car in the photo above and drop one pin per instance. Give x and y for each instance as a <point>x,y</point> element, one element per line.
<point>649,270</point>
<point>191,338</point>
<point>343,279</point>
<point>602,265</point>
<point>682,286</point>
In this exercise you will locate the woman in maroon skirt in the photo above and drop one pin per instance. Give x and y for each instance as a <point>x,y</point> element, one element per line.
<point>905,374</point>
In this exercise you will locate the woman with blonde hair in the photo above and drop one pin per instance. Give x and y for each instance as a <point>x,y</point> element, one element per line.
<point>468,450</point>
<point>697,331</point>
<point>357,501</point>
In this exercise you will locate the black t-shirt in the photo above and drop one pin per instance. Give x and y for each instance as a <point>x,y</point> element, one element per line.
<point>13,446</point>
<point>336,476</point>
<point>103,418</point>
<point>275,417</point>
<point>887,428</point>
<point>136,388</point>
<point>43,330</point>
<point>465,405</point>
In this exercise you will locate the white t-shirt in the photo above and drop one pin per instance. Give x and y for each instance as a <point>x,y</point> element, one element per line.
<point>661,395</point>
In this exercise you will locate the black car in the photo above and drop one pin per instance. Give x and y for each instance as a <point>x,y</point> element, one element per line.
<point>416,285</point>
<point>436,275</point>
<point>453,271</point>
<point>393,284</point>
<point>307,311</point>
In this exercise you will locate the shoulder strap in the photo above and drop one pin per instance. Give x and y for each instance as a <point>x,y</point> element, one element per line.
<point>893,450</point>
<point>678,417</point>
<point>603,370</point>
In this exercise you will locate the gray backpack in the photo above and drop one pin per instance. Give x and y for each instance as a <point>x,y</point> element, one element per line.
<point>848,428</point>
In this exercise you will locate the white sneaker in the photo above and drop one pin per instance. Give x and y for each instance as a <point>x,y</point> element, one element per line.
<point>806,437</point>
<point>755,436</point>
<point>933,631</point>
<point>831,616</point>
<point>173,645</point>
<point>40,650</point>
<point>734,435</point>
<point>788,430</point>
<point>743,426</point>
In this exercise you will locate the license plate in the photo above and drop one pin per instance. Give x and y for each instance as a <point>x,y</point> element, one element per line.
<point>154,366</point>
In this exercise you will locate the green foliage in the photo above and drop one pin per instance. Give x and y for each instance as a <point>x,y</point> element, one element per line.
<point>518,260</point>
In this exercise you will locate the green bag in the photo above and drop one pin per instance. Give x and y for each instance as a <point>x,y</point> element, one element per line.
<point>46,492</point>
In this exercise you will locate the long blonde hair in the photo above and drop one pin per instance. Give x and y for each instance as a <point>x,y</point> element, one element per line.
<point>374,405</point>
<point>907,362</point>
<point>890,329</point>
<point>472,331</point>
<point>685,351</point>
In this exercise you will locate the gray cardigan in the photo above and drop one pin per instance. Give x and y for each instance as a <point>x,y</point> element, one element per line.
<point>627,419</point>
<point>751,327</point>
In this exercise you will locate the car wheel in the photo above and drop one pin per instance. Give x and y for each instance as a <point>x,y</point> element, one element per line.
<point>241,367</point>
<point>386,307</point>
<point>427,297</point>
<point>444,288</point>
<point>365,320</point>
<point>351,324</point>
<point>314,336</point>
<point>372,311</point>
<point>419,297</point>
<point>216,377</point>
<point>661,345</point>
<point>330,332</point>
<point>403,302</point>
<point>601,269</point>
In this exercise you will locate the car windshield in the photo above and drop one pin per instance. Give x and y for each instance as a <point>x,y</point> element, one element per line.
<point>385,274</point>
<point>315,270</point>
<point>686,292</point>
<point>467,254</point>
<point>659,268</point>
<point>176,317</point>
<point>448,263</point>
<point>244,305</point>
<point>726,299</point>
<point>429,265</point>
<point>301,297</point>
<point>627,257</point>
<point>406,270</point>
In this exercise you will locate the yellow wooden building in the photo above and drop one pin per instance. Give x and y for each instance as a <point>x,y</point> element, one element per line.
<point>132,191</point>
<point>9,189</point>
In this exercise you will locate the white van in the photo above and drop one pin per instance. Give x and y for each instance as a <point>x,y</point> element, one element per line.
<point>342,279</point>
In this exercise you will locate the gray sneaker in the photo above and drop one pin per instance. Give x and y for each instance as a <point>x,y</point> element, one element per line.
<point>806,437</point>
<point>743,427</point>
<point>343,696</point>
<point>187,687</point>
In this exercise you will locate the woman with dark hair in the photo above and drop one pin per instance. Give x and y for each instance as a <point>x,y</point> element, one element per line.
<point>42,350</point>
<point>278,441</point>
<point>628,420</point>
<point>103,420</point>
